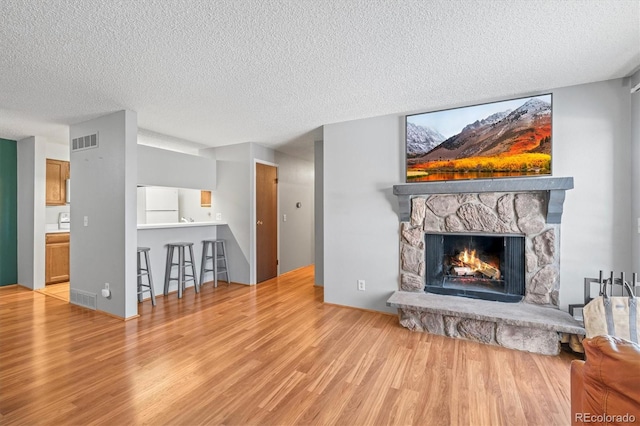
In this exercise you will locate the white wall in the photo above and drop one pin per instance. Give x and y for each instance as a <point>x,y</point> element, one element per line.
<point>361,165</point>
<point>31,212</point>
<point>318,225</point>
<point>232,200</point>
<point>169,143</point>
<point>104,190</point>
<point>161,167</point>
<point>592,143</point>
<point>635,176</point>
<point>295,185</point>
<point>363,159</point>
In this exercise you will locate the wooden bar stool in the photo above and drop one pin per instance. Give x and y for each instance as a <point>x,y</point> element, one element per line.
<point>146,271</point>
<point>183,263</point>
<point>218,259</point>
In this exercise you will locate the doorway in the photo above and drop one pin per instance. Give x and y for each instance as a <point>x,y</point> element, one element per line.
<point>266,222</point>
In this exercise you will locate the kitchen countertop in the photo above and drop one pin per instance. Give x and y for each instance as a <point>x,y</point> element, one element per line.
<point>178,225</point>
<point>52,228</point>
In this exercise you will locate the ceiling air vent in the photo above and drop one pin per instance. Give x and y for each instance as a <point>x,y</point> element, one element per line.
<point>84,142</point>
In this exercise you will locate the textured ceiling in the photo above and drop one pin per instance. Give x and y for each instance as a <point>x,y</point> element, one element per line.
<point>230,71</point>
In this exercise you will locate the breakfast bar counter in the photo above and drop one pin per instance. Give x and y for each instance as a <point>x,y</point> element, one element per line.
<point>178,225</point>
<point>157,236</point>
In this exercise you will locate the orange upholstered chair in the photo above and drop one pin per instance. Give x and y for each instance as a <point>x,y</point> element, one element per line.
<point>605,388</point>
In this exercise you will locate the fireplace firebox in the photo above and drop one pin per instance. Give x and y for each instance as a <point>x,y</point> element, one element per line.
<point>489,267</point>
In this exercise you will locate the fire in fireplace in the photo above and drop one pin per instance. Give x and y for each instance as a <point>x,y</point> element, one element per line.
<point>489,267</point>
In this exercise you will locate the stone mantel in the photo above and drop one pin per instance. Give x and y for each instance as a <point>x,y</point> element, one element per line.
<point>554,187</point>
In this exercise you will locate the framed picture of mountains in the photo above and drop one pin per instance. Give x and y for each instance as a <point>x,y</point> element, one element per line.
<point>509,138</point>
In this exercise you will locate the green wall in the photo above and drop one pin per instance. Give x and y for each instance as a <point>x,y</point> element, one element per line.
<point>8,212</point>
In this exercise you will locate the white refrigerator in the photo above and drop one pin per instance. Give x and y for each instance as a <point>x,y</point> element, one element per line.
<point>157,205</point>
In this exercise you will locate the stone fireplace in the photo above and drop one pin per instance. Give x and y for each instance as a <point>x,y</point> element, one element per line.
<point>497,241</point>
<point>488,267</point>
<point>515,214</point>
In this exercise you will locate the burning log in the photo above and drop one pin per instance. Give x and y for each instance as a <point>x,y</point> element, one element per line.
<point>469,260</point>
<point>489,271</point>
<point>463,270</point>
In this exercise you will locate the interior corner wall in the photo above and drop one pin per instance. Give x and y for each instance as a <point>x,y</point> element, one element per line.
<point>295,185</point>
<point>318,195</point>
<point>361,165</point>
<point>8,213</point>
<point>31,212</point>
<point>362,162</point>
<point>232,201</point>
<point>592,143</point>
<point>104,194</point>
<point>635,174</point>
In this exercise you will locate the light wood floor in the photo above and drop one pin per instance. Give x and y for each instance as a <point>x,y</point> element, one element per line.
<point>271,354</point>
<point>59,291</point>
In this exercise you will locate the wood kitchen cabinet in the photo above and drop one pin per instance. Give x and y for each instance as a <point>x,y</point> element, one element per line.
<point>57,175</point>
<point>205,198</point>
<point>57,258</point>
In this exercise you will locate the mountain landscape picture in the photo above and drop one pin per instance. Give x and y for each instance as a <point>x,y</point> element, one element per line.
<point>502,139</point>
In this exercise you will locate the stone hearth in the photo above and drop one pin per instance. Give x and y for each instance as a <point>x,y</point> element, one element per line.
<point>531,207</point>
<point>520,326</point>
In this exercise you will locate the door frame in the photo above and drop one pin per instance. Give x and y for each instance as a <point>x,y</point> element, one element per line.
<point>254,240</point>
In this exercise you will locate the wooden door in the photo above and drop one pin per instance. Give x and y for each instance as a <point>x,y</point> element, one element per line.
<point>266,222</point>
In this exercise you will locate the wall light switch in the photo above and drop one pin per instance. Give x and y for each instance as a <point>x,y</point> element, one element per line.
<point>218,216</point>
<point>86,221</point>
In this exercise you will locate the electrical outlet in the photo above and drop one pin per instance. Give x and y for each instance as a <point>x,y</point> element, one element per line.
<point>361,285</point>
<point>86,221</point>
<point>218,216</point>
<point>106,293</point>
<point>284,217</point>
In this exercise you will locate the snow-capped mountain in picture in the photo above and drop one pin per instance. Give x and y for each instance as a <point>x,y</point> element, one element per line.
<point>510,138</point>
<point>512,132</point>
<point>421,140</point>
